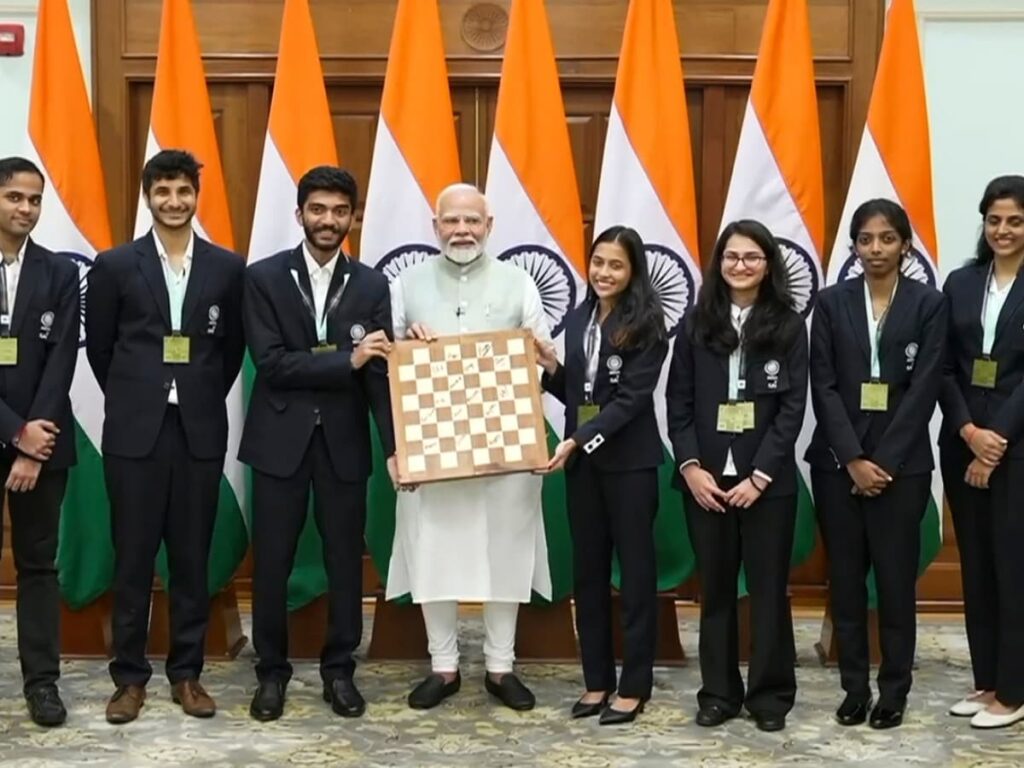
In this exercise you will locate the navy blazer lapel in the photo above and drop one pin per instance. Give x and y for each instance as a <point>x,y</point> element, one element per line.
<point>200,269</point>
<point>857,314</point>
<point>153,272</point>
<point>1010,308</point>
<point>896,316</point>
<point>33,273</point>
<point>299,286</point>
<point>341,280</point>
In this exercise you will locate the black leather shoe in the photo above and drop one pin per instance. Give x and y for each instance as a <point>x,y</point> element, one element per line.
<point>511,692</point>
<point>433,690</point>
<point>884,716</point>
<point>583,709</point>
<point>268,702</point>
<point>45,707</point>
<point>770,723</point>
<point>853,711</point>
<point>345,698</point>
<point>713,715</point>
<point>612,716</point>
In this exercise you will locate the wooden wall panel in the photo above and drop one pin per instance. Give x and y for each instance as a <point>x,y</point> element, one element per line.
<point>719,39</point>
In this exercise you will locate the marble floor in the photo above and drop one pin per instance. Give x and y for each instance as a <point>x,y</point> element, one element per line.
<point>471,730</point>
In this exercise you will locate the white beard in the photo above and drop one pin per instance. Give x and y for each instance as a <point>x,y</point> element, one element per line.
<point>463,254</point>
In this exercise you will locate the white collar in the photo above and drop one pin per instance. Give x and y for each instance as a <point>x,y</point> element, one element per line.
<point>739,314</point>
<point>19,257</point>
<point>313,268</point>
<point>162,252</point>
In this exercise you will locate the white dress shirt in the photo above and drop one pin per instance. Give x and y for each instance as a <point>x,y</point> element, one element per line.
<point>320,281</point>
<point>739,316</point>
<point>177,284</point>
<point>13,274</point>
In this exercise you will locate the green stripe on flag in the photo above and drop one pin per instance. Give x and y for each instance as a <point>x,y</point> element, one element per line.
<point>85,551</point>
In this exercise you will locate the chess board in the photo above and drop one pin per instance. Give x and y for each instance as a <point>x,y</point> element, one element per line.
<point>467,406</point>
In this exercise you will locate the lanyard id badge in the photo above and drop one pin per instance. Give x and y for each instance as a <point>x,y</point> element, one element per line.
<point>176,349</point>
<point>8,350</point>
<point>983,372</point>
<point>874,396</point>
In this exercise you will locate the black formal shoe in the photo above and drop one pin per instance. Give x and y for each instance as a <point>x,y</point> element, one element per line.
<point>853,711</point>
<point>612,716</point>
<point>511,692</point>
<point>884,716</point>
<point>433,690</point>
<point>770,723</point>
<point>345,698</point>
<point>713,715</point>
<point>582,709</point>
<point>45,706</point>
<point>268,703</point>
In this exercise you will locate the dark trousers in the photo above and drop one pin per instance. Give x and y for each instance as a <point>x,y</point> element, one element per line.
<point>989,527</point>
<point>884,533</point>
<point>170,497</point>
<point>35,519</point>
<point>280,506</point>
<point>761,539</point>
<point>614,510</point>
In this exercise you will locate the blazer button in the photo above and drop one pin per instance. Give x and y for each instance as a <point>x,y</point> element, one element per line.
<point>316,411</point>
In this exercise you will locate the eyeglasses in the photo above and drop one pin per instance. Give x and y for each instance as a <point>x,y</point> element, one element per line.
<point>746,259</point>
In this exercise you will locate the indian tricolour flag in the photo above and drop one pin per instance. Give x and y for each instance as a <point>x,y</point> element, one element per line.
<point>777,180</point>
<point>538,224</point>
<point>647,183</point>
<point>181,118</point>
<point>415,156</point>
<point>300,135</point>
<point>894,162</point>
<point>62,142</point>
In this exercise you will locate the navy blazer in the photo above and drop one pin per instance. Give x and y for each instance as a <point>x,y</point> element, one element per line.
<point>698,383</point>
<point>127,316</point>
<point>911,351</point>
<point>295,388</point>
<point>1000,409</point>
<point>624,435</point>
<point>46,322</point>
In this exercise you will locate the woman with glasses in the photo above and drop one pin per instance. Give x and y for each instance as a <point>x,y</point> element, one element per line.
<point>614,348</point>
<point>736,394</point>
<point>876,367</point>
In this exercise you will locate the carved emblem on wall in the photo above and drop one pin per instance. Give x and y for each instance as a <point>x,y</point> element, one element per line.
<point>484,27</point>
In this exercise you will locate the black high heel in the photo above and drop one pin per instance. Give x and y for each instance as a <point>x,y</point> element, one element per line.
<point>612,716</point>
<point>582,709</point>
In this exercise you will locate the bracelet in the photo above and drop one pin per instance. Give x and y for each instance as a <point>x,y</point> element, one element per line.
<point>759,488</point>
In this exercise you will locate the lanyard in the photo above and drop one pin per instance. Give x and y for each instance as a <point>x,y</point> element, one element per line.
<point>875,327</point>
<point>332,304</point>
<point>592,350</point>
<point>988,325</point>
<point>737,360</point>
<point>175,291</point>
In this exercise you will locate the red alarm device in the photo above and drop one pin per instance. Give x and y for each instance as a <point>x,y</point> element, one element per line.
<point>12,40</point>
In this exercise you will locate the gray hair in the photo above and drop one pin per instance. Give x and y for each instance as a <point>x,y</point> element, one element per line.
<point>460,186</point>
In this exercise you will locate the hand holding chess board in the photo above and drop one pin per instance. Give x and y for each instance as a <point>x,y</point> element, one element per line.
<point>467,406</point>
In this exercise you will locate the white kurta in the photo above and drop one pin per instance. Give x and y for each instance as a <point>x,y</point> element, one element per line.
<point>480,539</point>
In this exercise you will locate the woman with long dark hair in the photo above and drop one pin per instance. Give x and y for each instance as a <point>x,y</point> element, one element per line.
<point>982,453</point>
<point>736,394</point>
<point>876,366</point>
<point>615,345</point>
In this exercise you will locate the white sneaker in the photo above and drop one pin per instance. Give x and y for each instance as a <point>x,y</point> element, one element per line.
<point>967,707</point>
<point>986,719</point>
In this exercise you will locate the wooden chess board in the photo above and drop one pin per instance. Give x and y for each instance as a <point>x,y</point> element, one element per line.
<point>467,406</point>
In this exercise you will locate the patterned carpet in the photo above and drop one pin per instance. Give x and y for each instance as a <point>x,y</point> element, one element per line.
<point>472,730</point>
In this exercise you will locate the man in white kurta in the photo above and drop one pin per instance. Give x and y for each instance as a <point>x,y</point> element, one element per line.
<point>479,540</point>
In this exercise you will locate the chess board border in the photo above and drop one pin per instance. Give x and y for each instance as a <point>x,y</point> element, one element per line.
<point>398,415</point>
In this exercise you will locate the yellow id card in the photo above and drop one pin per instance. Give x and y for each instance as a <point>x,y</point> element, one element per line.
<point>874,396</point>
<point>585,413</point>
<point>176,349</point>
<point>319,349</point>
<point>983,373</point>
<point>9,350</point>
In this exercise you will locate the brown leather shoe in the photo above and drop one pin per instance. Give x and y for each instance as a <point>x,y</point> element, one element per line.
<point>125,704</point>
<point>193,699</point>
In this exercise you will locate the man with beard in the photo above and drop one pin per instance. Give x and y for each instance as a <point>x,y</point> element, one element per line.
<point>38,351</point>
<point>164,338</point>
<point>481,539</point>
<point>318,325</point>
